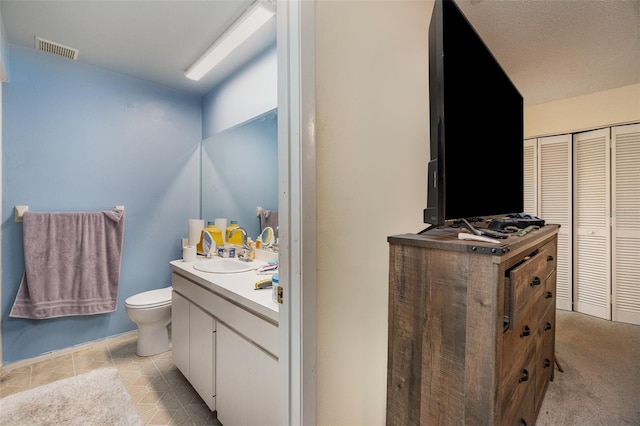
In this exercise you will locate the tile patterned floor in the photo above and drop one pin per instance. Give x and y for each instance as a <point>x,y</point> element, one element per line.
<point>159,391</point>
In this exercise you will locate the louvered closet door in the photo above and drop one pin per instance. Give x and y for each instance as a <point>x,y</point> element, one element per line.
<point>592,238</point>
<point>625,144</point>
<point>554,206</point>
<point>530,176</point>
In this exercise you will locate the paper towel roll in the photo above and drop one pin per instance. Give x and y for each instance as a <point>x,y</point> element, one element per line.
<point>189,253</point>
<point>222,225</point>
<point>195,228</point>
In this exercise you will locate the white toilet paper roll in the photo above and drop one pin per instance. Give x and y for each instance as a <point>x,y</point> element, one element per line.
<point>189,253</point>
<point>222,225</point>
<point>195,228</point>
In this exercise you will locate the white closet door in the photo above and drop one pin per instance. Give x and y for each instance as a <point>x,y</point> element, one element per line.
<point>530,167</point>
<point>625,143</point>
<point>592,238</point>
<point>554,206</point>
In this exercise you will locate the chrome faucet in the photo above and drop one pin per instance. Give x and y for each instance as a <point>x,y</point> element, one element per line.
<point>244,236</point>
<point>245,246</point>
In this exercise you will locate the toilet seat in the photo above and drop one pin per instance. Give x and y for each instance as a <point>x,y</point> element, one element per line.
<point>150,299</point>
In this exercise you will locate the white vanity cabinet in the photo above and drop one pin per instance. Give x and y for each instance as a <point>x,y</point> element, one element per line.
<point>194,343</point>
<point>180,332</point>
<point>247,381</point>
<point>225,342</point>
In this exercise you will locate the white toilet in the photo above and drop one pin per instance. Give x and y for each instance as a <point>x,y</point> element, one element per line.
<point>151,310</point>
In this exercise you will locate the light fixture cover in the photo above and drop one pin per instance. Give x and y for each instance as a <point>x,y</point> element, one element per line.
<point>250,22</point>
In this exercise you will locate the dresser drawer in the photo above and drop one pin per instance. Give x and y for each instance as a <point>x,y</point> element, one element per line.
<point>519,342</point>
<point>528,279</point>
<point>523,413</point>
<point>546,299</point>
<point>518,392</point>
<point>545,348</point>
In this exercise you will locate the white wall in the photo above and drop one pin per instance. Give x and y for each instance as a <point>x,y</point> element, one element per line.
<point>601,109</point>
<point>372,133</point>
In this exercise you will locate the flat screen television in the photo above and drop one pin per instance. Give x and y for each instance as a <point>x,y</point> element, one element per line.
<point>476,126</point>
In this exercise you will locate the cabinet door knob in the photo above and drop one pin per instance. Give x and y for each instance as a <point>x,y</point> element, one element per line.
<point>526,331</point>
<point>523,422</point>
<point>547,326</point>
<point>548,295</point>
<point>549,258</point>
<point>546,363</point>
<point>536,281</point>
<point>524,377</point>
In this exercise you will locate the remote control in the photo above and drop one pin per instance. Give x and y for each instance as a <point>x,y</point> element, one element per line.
<point>467,236</point>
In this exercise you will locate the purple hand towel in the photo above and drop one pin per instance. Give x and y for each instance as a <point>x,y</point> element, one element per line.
<point>268,218</point>
<point>72,264</point>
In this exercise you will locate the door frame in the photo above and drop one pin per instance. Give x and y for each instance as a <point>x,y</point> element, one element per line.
<point>297,210</point>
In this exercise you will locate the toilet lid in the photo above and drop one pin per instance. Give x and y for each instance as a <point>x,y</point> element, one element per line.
<point>151,298</point>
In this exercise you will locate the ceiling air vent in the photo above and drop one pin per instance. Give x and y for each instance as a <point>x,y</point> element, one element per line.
<point>56,48</point>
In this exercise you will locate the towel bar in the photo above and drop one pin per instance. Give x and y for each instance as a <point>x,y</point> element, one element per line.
<point>19,212</point>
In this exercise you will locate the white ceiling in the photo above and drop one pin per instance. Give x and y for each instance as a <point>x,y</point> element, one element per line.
<point>552,49</point>
<point>156,40</point>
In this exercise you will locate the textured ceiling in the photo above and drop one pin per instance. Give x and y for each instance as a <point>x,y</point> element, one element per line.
<point>552,49</point>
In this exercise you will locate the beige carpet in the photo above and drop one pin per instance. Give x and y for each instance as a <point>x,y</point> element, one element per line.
<point>601,380</point>
<point>95,398</point>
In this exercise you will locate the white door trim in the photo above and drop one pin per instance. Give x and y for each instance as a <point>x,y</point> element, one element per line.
<point>297,210</point>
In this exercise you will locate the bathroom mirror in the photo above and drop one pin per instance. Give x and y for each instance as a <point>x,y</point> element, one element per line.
<point>267,237</point>
<point>208,245</point>
<point>239,172</point>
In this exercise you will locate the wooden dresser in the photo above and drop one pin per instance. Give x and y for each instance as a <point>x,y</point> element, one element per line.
<point>471,328</point>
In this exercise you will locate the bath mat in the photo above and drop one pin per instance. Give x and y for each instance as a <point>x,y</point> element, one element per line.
<point>94,398</point>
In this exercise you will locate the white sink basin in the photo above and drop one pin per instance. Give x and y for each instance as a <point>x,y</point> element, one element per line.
<point>221,265</point>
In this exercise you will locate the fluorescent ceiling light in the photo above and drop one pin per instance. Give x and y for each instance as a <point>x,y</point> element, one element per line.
<point>250,22</point>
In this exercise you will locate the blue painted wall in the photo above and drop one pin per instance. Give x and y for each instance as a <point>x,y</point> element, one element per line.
<point>80,138</point>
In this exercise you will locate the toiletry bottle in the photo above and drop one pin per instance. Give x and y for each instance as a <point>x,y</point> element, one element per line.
<point>199,249</point>
<point>237,237</point>
<point>275,284</point>
<point>251,254</point>
<point>259,242</point>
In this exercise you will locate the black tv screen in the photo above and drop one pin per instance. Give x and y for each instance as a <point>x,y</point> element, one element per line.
<point>476,120</point>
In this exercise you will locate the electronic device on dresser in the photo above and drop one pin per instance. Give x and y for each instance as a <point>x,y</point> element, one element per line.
<point>476,119</point>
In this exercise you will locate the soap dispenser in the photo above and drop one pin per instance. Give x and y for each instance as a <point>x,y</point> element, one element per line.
<point>251,253</point>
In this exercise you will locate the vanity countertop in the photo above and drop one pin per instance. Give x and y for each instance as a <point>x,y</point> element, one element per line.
<point>239,288</point>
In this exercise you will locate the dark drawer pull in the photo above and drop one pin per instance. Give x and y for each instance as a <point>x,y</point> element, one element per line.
<point>526,331</point>
<point>549,258</point>
<point>525,376</point>
<point>547,326</point>
<point>536,281</point>
<point>548,295</point>
<point>547,363</point>
<point>523,422</point>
